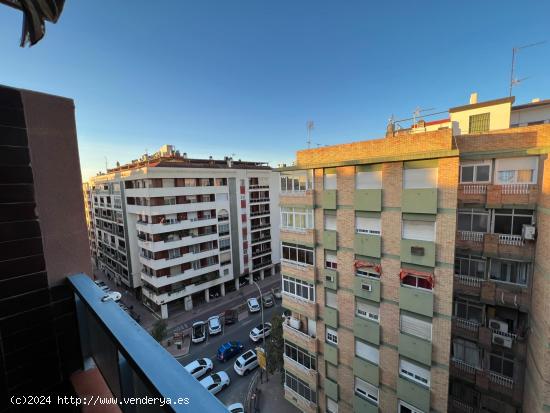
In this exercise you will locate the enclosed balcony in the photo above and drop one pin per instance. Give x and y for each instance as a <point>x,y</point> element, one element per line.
<point>295,329</point>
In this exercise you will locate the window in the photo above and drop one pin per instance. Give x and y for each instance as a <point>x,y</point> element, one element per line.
<point>468,311</point>
<point>416,327</point>
<point>367,225</point>
<point>296,181</point>
<point>169,200</point>
<point>366,390</point>
<point>366,272</point>
<point>300,356</point>
<point>467,352</point>
<point>297,254</point>
<point>224,244</point>
<point>330,222</point>
<point>331,299</point>
<point>331,261</point>
<point>296,218</point>
<point>368,311</point>
<point>174,253</point>
<point>516,170</point>
<point>514,272</point>
<point>300,387</point>
<point>475,220</point>
<point>332,406</point>
<point>479,123</point>
<point>414,372</point>
<point>331,335</point>
<point>417,282</point>
<point>329,179</point>
<point>367,351</point>
<point>502,362</point>
<point>511,221</point>
<point>298,288</point>
<point>475,173</point>
<point>407,408</point>
<point>419,230</point>
<point>420,178</point>
<point>223,229</point>
<point>470,265</point>
<point>367,179</point>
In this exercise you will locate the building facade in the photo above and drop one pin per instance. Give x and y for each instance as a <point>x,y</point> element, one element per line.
<point>414,267</point>
<point>181,230</point>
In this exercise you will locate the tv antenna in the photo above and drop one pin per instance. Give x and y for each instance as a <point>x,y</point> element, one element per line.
<point>418,111</point>
<point>514,81</point>
<point>310,126</point>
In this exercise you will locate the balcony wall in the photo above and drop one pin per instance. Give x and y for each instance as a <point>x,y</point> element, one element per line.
<point>427,258</point>
<point>415,348</point>
<point>465,328</point>
<point>367,200</point>
<point>463,284</point>
<point>305,273</point>
<point>303,373</point>
<point>328,200</point>
<point>508,246</point>
<point>416,300</point>
<point>306,237</point>
<point>304,307</point>
<point>512,195</point>
<point>510,295</point>
<point>366,371</point>
<point>330,278</point>
<point>331,389</point>
<point>368,245</point>
<point>472,194</point>
<point>363,406</point>
<point>331,353</point>
<point>330,317</point>
<point>300,338</point>
<point>419,201</point>
<point>413,393</point>
<point>305,198</point>
<point>302,404</point>
<point>177,226</point>
<point>488,341</point>
<point>471,241</point>
<point>366,330</point>
<point>374,285</point>
<point>330,240</point>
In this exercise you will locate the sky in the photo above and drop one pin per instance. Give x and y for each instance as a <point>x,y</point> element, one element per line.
<point>242,78</point>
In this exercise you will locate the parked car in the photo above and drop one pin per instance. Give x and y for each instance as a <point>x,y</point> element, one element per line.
<point>246,362</point>
<point>257,332</point>
<point>198,332</point>
<point>114,295</point>
<point>216,382</point>
<point>199,367</point>
<point>253,305</point>
<point>230,316</point>
<point>276,291</point>
<point>229,350</point>
<point>267,300</point>
<point>214,325</point>
<point>236,408</point>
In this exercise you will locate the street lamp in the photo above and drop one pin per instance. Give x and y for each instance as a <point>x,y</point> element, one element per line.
<point>263,327</point>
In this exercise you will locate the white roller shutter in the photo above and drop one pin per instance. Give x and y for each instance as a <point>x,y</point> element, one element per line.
<point>420,178</point>
<point>368,225</point>
<point>367,352</point>
<point>368,180</point>
<point>416,327</point>
<point>420,230</point>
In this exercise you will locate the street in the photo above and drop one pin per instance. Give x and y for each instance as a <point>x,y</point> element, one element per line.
<point>236,392</point>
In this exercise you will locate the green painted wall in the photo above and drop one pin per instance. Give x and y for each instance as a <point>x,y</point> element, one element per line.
<point>369,245</point>
<point>415,348</point>
<point>412,393</point>
<point>368,200</point>
<point>373,295</point>
<point>329,199</point>
<point>366,371</point>
<point>419,201</point>
<point>330,316</point>
<point>331,389</point>
<point>361,405</point>
<point>416,301</point>
<point>330,353</point>
<point>329,240</point>
<point>426,260</point>
<point>329,274</point>
<point>366,330</point>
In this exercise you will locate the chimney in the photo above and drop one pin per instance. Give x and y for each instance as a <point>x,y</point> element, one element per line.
<point>473,98</point>
<point>535,100</point>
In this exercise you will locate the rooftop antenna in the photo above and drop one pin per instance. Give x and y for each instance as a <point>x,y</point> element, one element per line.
<point>515,50</point>
<point>418,111</point>
<point>310,126</point>
<point>106,167</point>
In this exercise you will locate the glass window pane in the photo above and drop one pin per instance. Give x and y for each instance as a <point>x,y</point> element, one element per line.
<point>467,174</point>
<point>482,173</point>
<point>463,223</point>
<point>503,224</point>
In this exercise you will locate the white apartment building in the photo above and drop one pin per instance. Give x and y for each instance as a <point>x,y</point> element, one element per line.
<point>182,230</point>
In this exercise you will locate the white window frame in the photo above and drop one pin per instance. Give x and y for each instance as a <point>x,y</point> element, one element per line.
<point>419,174</point>
<point>291,216</point>
<point>366,390</point>
<point>526,269</point>
<point>471,212</point>
<point>469,259</point>
<point>367,351</point>
<point>296,182</point>
<point>414,372</point>
<point>475,165</point>
<point>364,272</point>
<point>415,327</point>
<point>367,311</point>
<point>331,261</point>
<point>423,237</point>
<point>331,336</point>
<point>297,284</point>
<point>408,406</point>
<point>514,172</point>
<point>298,248</point>
<point>368,225</point>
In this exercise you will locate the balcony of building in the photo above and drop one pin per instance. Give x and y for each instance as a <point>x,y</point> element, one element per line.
<point>158,281</point>
<point>505,329</point>
<point>295,330</point>
<point>255,184</point>
<point>175,240</point>
<point>122,360</point>
<point>169,225</point>
<point>517,195</point>
<point>305,198</point>
<point>468,329</point>
<point>261,262</point>
<point>472,194</point>
<point>508,246</point>
<point>299,305</point>
<point>457,405</point>
<point>298,236</point>
<point>260,236</point>
<point>468,285</point>
<point>259,210</point>
<point>261,249</point>
<point>299,401</point>
<point>298,270</point>
<point>174,259</point>
<point>470,240</point>
<point>257,197</point>
<point>507,294</point>
<point>259,223</point>
<point>308,375</point>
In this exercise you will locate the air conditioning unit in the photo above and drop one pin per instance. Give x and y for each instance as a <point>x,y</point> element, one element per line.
<point>503,341</point>
<point>366,287</point>
<point>498,326</point>
<point>417,251</point>
<point>329,278</point>
<point>528,232</point>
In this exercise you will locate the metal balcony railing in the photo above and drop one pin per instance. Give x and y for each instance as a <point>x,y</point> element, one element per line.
<point>471,236</point>
<point>466,324</point>
<point>468,280</point>
<point>501,380</point>
<point>474,189</point>
<point>506,239</point>
<point>515,189</point>
<point>461,365</point>
<point>131,362</point>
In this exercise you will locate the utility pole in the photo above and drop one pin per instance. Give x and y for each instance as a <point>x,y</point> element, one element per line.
<point>310,126</point>
<point>263,328</point>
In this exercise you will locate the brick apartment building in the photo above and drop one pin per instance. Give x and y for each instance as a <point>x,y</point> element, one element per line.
<point>179,230</point>
<point>416,267</point>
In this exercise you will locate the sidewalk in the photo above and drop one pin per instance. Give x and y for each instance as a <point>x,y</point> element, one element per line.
<point>270,396</point>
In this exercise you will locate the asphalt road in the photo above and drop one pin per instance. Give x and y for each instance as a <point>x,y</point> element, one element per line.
<point>236,392</point>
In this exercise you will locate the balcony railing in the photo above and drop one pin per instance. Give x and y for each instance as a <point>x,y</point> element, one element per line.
<point>474,189</point>
<point>143,368</point>
<point>261,252</point>
<point>466,324</point>
<point>463,366</point>
<point>506,239</point>
<point>515,189</point>
<point>468,280</point>
<point>501,380</point>
<point>257,213</point>
<point>256,200</point>
<point>471,236</point>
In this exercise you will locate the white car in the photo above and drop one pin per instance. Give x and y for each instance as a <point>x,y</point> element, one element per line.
<point>253,305</point>
<point>236,408</point>
<point>257,332</point>
<point>214,325</point>
<point>216,382</point>
<point>245,363</point>
<point>199,367</point>
<point>114,295</point>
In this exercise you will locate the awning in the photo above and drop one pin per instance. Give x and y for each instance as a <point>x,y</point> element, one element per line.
<point>366,264</point>
<point>420,274</point>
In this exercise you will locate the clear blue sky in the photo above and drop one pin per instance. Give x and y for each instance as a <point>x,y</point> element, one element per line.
<point>243,77</point>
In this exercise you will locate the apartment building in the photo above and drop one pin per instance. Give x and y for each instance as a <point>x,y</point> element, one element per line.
<point>182,230</point>
<point>414,267</point>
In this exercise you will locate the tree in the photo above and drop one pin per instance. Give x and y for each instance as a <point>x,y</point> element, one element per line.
<point>275,346</point>
<point>159,330</point>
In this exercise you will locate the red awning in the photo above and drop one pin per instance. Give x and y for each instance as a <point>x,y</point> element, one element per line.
<point>421,274</point>
<point>365,264</point>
